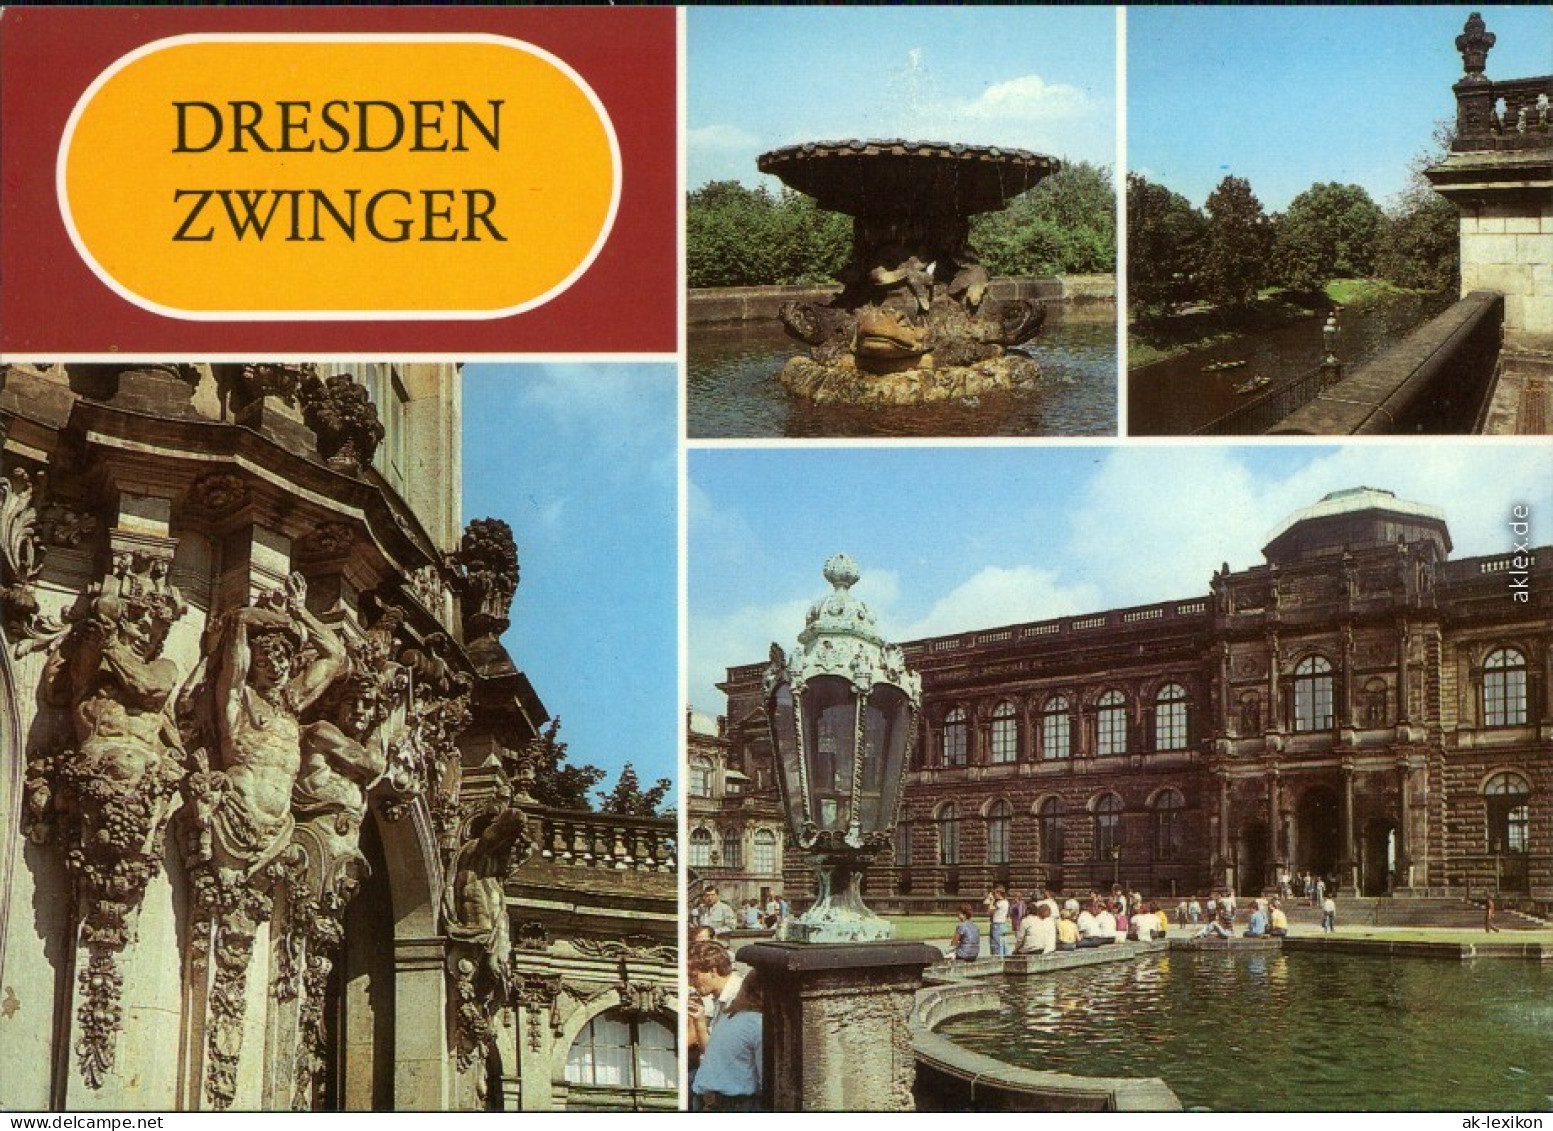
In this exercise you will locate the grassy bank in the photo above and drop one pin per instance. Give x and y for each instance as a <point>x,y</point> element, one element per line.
<point>1198,327</point>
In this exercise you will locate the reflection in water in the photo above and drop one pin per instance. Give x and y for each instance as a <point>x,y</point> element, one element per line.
<point>1289,1032</point>
<point>733,390</point>
<point>1175,397</point>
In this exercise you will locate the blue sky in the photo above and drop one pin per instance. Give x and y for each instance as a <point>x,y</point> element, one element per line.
<point>951,539</point>
<point>1037,78</point>
<point>580,460</point>
<point>1285,97</point>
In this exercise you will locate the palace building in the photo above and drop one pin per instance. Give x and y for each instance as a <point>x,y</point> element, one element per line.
<point>736,832</point>
<point>267,839</point>
<point>1360,706</point>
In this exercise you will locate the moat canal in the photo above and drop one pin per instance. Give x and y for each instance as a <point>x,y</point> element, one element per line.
<point>734,394</point>
<point>1270,1031</point>
<point>1177,396</point>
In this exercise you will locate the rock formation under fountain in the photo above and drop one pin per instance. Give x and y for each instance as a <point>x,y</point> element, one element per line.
<point>913,323</point>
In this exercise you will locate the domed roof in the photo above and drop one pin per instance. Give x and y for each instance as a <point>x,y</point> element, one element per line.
<point>1353,518</point>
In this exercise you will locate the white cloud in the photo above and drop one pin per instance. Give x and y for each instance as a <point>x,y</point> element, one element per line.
<point>719,138</point>
<point>998,596</point>
<point>1025,99</point>
<point>743,636</point>
<point>616,412</point>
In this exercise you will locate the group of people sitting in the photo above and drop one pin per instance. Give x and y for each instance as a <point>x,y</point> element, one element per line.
<point>1267,920</point>
<point>1049,925</point>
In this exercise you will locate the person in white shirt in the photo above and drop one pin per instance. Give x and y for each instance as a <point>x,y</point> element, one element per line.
<point>1105,925</point>
<point>1143,925</point>
<point>1037,932</point>
<point>997,903</point>
<point>1087,927</point>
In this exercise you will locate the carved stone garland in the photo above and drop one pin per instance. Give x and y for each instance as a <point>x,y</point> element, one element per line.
<point>107,800</point>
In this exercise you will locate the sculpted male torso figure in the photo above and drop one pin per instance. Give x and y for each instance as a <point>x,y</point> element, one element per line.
<point>274,665</point>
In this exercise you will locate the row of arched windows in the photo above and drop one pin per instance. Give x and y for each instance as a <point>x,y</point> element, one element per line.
<point>704,851</point>
<point>1056,728</point>
<point>1504,693</point>
<point>1166,812</point>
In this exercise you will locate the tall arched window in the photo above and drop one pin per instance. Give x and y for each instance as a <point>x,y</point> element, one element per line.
<point>700,848</point>
<point>619,1049</point>
<point>949,834</point>
<point>1509,813</point>
<point>1111,724</point>
<point>700,777</point>
<point>733,849</point>
<point>1313,694</point>
<point>1504,688</point>
<point>999,820</point>
<point>765,851</point>
<point>1056,734</point>
<point>1170,718</point>
<point>1108,825</point>
<point>1050,817</point>
<point>1168,826</point>
<point>955,737</point>
<point>1005,733</point>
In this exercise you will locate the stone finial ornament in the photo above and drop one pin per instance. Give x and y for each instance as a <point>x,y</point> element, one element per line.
<point>1474,43</point>
<point>343,418</point>
<point>486,568</point>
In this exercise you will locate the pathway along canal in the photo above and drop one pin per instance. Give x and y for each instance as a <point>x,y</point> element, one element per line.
<point>1175,397</point>
<point>1273,1031</point>
<point>734,394</point>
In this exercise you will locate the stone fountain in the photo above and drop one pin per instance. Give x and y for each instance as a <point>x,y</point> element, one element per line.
<point>913,323</point>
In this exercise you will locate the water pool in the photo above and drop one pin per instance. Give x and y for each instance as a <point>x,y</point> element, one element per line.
<point>1289,1032</point>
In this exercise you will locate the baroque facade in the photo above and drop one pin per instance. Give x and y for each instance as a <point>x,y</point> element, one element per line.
<point>266,840</point>
<point>1358,706</point>
<point>736,829</point>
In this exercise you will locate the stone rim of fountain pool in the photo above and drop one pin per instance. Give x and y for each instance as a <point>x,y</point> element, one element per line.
<point>959,989</point>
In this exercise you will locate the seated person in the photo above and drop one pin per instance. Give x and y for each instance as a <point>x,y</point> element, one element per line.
<point>1278,922</point>
<point>1121,922</point>
<point>1096,926</point>
<point>1221,926</point>
<point>1037,932</point>
<point>1257,928</point>
<point>1067,932</point>
<point>1143,925</point>
<point>966,943</point>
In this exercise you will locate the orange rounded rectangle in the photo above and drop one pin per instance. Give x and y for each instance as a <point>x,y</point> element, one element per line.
<point>339,176</point>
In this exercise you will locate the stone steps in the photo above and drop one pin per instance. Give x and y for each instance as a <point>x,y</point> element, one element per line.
<point>1369,911</point>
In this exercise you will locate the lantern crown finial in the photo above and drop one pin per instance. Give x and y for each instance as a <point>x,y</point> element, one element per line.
<point>841,571</point>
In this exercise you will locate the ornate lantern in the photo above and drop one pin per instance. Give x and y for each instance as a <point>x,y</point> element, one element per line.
<point>843,711</point>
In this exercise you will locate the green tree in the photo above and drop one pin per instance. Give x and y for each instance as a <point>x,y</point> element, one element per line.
<point>1064,225</point>
<point>1164,244</point>
<point>1239,238</point>
<point>1330,231</point>
<point>555,783</point>
<point>1420,244</point>
<point>740,237</point>
<point>629,799</point>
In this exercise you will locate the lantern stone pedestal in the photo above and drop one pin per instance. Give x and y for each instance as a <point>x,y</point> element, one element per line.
<point>838,1023</point>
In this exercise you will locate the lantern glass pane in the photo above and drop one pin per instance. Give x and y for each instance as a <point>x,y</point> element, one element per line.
<point>830,741</point>
<point>784,730</point>
<point>885,735</point>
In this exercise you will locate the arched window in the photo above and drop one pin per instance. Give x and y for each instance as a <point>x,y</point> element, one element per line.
<point>1509,813</point>
<point>999,818</point>
<point>1313,694</point>
<point>618,1049</point>
<point>1111,724</point>
<point>954,737</point>
<point>700,777</point>
<point>1504,688</point>
<point>1005,733</point>
<point>1373,704</point>
<point>1170,718</point>
<point>949,834</point>
<point>1168,825</point>
<point>1050,817</point>
<point>700,848</point>
<point>733,849</point>
<point>1056,735</point>
<point>765,851</point>
<point>1108,826</point>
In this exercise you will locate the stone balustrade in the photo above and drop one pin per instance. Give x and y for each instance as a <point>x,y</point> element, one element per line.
<point>1509,114</point>
<point>602,840</point>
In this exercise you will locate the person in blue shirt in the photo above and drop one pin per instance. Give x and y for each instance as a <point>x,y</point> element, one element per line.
<point>728,1078</point>
<point>967,939</point>
<point>1257,928</point>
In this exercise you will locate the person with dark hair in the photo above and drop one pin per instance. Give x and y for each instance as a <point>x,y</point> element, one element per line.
<point>729,1076</point>
<point>966,943</point>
